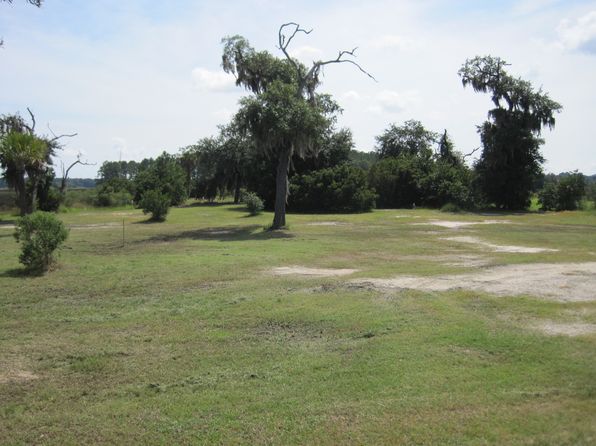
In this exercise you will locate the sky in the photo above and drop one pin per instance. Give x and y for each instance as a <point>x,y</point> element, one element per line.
<point>135,78</point>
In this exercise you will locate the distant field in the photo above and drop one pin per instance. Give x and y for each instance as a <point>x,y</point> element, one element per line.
<point>392,327</point>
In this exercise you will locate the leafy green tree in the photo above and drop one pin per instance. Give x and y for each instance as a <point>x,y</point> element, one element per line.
<point>511,160</point>
<point>23,157</point>
<point>563,193</point>
<point>285,113</point>
<point>410,139</point>
<point>40,234</point>
<point>339,189</point>
<point>156,203</point>
<point>164,174</point>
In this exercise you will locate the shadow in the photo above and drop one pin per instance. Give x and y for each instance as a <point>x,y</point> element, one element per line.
<point>7,223</point>
<point>224,234</point>
<point>147,222</point>
<point>18,273</point>
<point>206,204</point>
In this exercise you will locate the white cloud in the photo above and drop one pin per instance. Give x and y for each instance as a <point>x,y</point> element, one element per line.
<point>394,102</point>
<point>307,53</point>
<point>212,80</point>
<point>351,95</point>
<point>394,41</point>
<point>579,34</point>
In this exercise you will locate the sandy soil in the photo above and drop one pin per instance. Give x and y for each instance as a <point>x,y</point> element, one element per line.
<point>313,272</point>
<point>498,248</point>
<point>566,282</point>
<point>570,329</point>
<point>16,376</point>
<point>461,224</point>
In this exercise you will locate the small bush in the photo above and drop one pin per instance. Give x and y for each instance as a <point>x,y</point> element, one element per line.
<point>563,194</point>
<point>155,203</point>
<point>253,203</point>
<point>451,207</point>
<point>40,233</point>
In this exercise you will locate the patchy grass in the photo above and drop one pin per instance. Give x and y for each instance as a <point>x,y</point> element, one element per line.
<point>183,336</point>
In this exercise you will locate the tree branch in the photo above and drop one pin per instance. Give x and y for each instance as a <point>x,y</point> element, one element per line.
<point>32,128</point>
<point>471,153</point>
<point>284,41</point>
<point>317,65</point>
<point>65,172</point>
<point>57,137</point>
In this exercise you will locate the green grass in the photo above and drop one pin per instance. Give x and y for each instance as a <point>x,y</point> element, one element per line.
<point>182,336</point>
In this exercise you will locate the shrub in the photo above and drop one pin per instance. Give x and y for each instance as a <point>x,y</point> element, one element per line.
<point>450,207</point>
<point>253,203</point>
<point>563,194</point>
<point>340,189</point>
<point>155,203</point>
<point>40,233</point>
<point>107,197</point>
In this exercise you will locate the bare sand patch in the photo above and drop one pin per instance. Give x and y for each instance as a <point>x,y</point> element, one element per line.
<point>312,272</point>
<point>498,248</point>
<point>17,376</point>
<point>565,282</point>
<point>463,260</point>
<point>568,329</point>
<point>462,224</point>
<point>96,226</point>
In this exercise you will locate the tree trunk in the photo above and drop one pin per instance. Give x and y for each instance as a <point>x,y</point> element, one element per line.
<point>281,189</point>
<point>237,189</point>
<point>21,190</point>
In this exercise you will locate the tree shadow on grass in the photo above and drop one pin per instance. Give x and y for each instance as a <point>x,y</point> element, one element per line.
<point>19,273</point>
<point>224,234</point>
<point>205,204</point>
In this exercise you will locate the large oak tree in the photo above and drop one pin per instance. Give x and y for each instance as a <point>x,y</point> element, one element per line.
<point>285,114</point>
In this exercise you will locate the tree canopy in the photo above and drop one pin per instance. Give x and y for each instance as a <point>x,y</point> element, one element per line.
<point>511,160</point>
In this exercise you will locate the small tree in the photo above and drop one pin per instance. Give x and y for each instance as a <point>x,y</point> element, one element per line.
<point>564,193</point>
<point>254,204</point>
<point>155,203</point>
<point>40,233</point>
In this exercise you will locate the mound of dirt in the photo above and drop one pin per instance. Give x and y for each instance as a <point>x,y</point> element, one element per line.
<point>566,282</point>
<point>312,272</point>
<point>498,248</point>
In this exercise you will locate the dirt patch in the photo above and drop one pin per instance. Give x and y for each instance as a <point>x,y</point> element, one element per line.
<point>17,376</point>
<point>312,272</point>
<point>565,282</point>
<point>462,260</point>
<point>498,248</point>
<point>219,232</point>
<point>96,226</point>
<point>461,224</point>
<point>7,226</point>
<point>571,329</point>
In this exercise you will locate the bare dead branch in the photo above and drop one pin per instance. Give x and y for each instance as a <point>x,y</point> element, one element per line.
<point>471,153</point>
<point>284,41</point>
<point>32,127</point>
<point>65,172</point>
<point>57,137</point>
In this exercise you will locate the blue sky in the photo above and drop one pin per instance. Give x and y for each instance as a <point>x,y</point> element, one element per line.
<point>137,77</point>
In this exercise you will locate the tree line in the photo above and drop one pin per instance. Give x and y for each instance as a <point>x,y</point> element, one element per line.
<point>284,146</point>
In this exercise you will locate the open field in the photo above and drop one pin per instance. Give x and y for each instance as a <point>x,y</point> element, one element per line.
<point>392,327</point>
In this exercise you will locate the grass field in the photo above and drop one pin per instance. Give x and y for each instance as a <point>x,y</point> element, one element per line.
<point>185,336</point>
